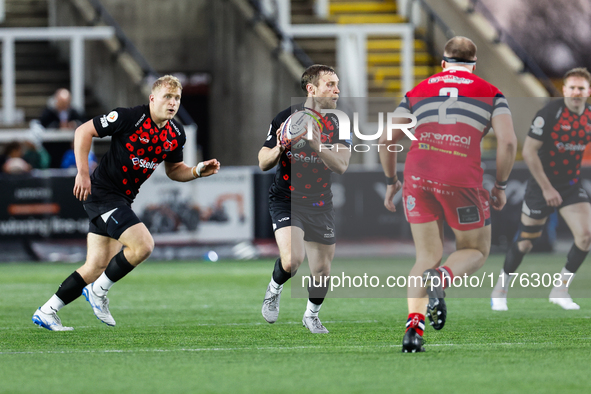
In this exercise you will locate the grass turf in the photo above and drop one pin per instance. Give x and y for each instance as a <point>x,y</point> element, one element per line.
<point>196,327</point>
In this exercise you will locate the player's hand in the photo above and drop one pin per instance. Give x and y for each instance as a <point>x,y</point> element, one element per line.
<point>279,145</point>
<point>315,141</point>
<point>210,167</point>
<point>391,191</point>
<point>82,187</point>
<point>552,197</point>
<point>498,198</point>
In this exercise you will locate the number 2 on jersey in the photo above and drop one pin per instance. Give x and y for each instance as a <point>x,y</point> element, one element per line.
<point>453,97</point>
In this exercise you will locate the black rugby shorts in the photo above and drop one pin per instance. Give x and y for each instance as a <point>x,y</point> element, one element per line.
<point>318,226</point>
<point>110,219</point>
<point>534,204</point>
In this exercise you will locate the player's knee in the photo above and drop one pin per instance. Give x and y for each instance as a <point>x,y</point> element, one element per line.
<point>527,237</point>
<point>144,249</point>
<point>525,246</point>
<point>583,240</point>
<point>321,272</point>
<point>291,262</point>
<point>485,252</point>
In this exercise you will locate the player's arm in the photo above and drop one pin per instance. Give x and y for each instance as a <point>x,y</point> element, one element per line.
<point>388,160</point>
<point>269,157</point>
<point>82,144</point>
<point>336,157</point>
<point>181,172</point>
<point>502,125</point>
<point>531,147</point>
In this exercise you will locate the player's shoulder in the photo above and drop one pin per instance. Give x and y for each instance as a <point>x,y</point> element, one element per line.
<point>131,112</point>
<point>552,109</point>
<point>468,83</point>
<point>286,113</point>
<point>177,127</point>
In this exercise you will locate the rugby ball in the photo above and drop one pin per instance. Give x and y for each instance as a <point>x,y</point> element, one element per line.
<point>296,127</point>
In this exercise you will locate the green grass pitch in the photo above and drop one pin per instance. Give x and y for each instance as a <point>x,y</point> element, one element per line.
<point>196,327</point>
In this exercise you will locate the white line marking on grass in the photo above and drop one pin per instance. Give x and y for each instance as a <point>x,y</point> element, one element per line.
<point>223,324</point>
<point>269,348</point>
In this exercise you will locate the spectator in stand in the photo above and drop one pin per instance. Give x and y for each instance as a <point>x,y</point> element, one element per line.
<point>12,161</point>
<point>35,154</point>
<point>69,159</point>
<point>59,114</point>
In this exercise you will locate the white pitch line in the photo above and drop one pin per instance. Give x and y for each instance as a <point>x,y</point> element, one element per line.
<point>225,324</point>
<point>271,348</point>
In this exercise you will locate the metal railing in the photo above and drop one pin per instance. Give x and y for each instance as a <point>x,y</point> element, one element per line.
<point>268,15</point>
<point>76,36</point>
<point>433,21</point>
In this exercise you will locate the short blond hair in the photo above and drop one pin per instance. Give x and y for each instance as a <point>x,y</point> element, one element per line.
<point>169,81</point>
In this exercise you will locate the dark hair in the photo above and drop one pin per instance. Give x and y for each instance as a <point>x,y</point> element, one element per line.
<point>577,72</point>
<point>460,47</point>
<point>11,147</point>
<point>313,73</point>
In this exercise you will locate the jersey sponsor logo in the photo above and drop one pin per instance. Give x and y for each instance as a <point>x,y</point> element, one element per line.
<point>283,219</point>
<point>140,120</point>
<point>104,122</point>
<point>450,79</point>
<point>446,137</point>
<point>539,122</point>
<point>565,127</point>
<point>410,203</point>
<point>330,234</point>
<point>150,165</point>
<point>570,147</point>
<point>113,116</point>
<point>304,158</point>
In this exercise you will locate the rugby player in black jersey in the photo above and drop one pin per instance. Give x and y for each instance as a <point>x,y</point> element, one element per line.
<point>141,138</point>
<point>553,151</point>
<point>300,198</point>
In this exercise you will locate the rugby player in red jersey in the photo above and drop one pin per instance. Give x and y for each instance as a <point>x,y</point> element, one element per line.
<point>443,178</point>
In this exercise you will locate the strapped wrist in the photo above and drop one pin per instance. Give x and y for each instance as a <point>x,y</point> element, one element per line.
<point>501,185</point>
<point>391,180</point>
<point>196,170</point>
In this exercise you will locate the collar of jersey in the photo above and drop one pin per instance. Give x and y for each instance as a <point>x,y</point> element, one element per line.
<point>452,68</point>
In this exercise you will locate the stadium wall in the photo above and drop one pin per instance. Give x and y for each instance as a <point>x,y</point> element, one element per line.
<point>173,35</point>
<point>252,80</point>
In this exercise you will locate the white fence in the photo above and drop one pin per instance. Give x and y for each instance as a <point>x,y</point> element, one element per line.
<point>76,36</point>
